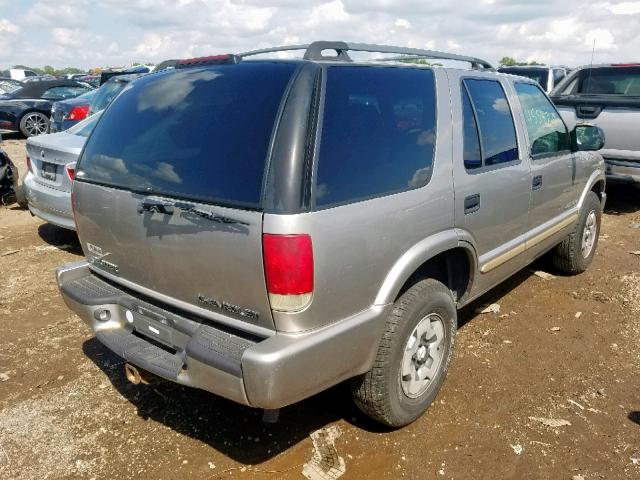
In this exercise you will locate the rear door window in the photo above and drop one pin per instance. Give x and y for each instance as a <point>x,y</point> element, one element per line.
<point>547,132</point>
<point>490,111</point>
<point>378,133</point>
<point>198,133</point>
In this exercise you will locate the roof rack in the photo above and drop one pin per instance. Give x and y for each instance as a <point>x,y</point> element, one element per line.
<point>314,51</point>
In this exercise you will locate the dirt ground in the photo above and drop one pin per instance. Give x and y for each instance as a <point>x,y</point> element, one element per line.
<point>548,388</point>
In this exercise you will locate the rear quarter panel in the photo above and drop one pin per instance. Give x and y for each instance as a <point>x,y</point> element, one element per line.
<point>356,246</point>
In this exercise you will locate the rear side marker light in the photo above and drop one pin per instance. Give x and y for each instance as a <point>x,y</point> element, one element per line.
<point>288,268</point>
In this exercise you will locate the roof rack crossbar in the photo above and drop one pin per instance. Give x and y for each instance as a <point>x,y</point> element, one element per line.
<point>314,51</point>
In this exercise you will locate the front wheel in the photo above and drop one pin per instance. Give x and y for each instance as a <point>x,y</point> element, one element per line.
<point>34,123</point>
<point>576,252</point>
<point>413,356</point>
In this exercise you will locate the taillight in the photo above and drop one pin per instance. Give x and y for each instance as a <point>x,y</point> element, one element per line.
<point>28,162</point>
<point>79,112</point>
<point>288,269</point>
<point>71,170</point>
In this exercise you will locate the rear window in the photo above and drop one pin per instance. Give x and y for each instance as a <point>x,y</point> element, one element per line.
<point>199,133</point>
<point>104,95</point>
<point>623,81</point>
<point>378,133</point>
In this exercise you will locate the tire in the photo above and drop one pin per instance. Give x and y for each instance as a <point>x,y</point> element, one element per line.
<point>383,393</point>
<point>34,123</point>
<point>21,199</point>
<point>572,255</point>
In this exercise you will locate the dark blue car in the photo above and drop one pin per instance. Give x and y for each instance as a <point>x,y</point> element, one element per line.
<point>67,113</point>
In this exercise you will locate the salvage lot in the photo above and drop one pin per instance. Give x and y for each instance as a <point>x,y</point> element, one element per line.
<point>546,388</point>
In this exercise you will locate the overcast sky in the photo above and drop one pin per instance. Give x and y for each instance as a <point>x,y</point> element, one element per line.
<point>88,33</point>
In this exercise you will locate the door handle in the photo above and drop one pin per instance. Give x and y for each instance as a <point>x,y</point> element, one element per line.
<point>536,184</point>
<point>472,203</point>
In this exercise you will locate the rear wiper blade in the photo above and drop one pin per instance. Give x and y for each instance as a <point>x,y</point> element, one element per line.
<point>168,207</point>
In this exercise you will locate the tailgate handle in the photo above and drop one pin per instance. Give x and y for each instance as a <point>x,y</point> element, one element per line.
<point>149,205</point>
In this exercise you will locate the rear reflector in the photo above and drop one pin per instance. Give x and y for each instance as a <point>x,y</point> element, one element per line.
<point>28,162</point>
<point>288,269</point>
<point>79,112</point>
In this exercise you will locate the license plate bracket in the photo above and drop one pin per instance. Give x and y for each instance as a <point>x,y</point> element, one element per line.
<point>49,171</point>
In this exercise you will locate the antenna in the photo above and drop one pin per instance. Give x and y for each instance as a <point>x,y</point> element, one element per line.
<point>593,50</point>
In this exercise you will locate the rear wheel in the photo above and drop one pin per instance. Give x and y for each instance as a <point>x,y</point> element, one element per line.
<point>576,252</point>
<point>34,123</point>
<point>413,356</point>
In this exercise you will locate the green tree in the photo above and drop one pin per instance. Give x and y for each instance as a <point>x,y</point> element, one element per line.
<point>512,62</point>
<point>508,61</point>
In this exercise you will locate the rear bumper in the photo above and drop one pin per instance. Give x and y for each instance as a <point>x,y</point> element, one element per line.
<point>51,205</point>
<point>622,171</point>
<point>261,372</point>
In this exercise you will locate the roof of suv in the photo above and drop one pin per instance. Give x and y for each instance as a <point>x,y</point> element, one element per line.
<point>316,52</point>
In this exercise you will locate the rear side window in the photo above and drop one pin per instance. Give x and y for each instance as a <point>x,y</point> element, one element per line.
<point>547,132</point>
<point>540,75</point>
<point>199,133</point>
<point>621,81</point>
<point>487,113</point>
<point>378,133</point>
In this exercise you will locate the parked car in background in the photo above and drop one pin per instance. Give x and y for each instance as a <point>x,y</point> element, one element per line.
<point>27,109</point>
<point>608,96</point>
<point>547,77</point>
<point>64,114</point>
<point>21,74</point>
<point>39,78</point>
<point>76,76</point>
<point>8,85</point>
<point>51,162</point>
<point>93,80</point>
<point>108,91</point>
<point>266,229</point>
<point>107,74</point>
<point>10,191</point>
<point>67,113</point>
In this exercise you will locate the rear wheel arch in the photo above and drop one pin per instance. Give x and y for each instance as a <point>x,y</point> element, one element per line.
<point>453,268</point>
<point>598,188</point>
<point>452,262</point>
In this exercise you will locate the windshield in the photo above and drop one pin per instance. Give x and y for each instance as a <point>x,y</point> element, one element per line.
<point>199,133</point>
<point>104,95</point>
<point>86,126</point>
<point>539,75</point>
<point>623,81</point>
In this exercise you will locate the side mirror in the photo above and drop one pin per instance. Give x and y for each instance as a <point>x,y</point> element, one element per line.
<point>587,138</point>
